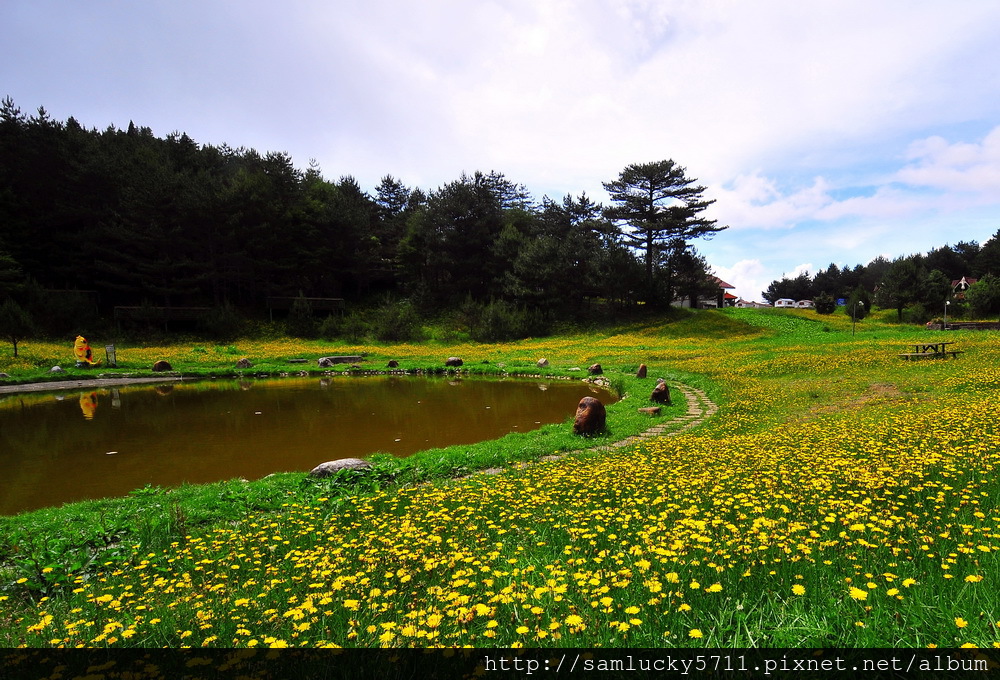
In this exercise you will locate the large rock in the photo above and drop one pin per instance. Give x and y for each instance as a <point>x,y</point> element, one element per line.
<point>661,393</point>
<point>543,363</point>
<point>596,369</point>
<point>162,365</point>
<point>327,362</point>
<point>591,417</point>
<point>331,466</point>
<point>641,373</point>
<point>393,363</point>
<point>244,363</point>
<point>453,361</point>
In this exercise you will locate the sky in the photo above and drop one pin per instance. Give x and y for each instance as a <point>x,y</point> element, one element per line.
<point>828,131</point>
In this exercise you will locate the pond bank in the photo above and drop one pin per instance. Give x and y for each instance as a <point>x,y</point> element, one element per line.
<point>89,382</point>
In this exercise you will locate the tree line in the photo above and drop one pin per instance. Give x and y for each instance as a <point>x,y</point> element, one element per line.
<point>916,286</point>
<point>95,219</point>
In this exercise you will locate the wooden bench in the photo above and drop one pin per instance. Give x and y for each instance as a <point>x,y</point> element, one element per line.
<point>932,355</point>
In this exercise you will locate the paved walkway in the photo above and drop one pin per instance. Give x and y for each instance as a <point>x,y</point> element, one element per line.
<point>84,384</point>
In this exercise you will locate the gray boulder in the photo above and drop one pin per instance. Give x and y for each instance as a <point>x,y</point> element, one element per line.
<point>331,466</point>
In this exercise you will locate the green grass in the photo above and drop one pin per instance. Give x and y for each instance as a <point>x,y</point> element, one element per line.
<point>839,497</point>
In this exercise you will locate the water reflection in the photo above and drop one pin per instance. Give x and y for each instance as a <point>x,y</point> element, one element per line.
<point>88,404</point>
<point>202,432</point>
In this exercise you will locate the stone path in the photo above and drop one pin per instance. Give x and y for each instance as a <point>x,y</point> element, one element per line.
<point>699,409</point>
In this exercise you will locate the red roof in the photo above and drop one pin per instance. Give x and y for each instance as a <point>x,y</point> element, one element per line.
<point>722,284</point>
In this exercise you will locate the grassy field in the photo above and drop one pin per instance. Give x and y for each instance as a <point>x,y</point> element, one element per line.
<point>839,497</point>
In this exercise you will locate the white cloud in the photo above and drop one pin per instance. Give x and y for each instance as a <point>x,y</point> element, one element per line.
<point>955,167</point>
<point>755,201</point>
<point>749,277</point>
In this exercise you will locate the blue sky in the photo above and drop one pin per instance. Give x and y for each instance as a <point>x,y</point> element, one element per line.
<point>826,131</point>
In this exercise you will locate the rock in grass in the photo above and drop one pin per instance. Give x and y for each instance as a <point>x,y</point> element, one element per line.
<point>591,417</point>
<point>453,361</point>
<point>641,373</point>
<point>331,466</point>
<point>162,365</point>
<point>595,369</point>
<point>661,393</point>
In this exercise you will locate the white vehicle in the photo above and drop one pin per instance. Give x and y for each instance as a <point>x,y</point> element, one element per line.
<point>784,302</point>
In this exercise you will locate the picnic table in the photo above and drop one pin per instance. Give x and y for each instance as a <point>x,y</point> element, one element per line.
<point>932,350</point>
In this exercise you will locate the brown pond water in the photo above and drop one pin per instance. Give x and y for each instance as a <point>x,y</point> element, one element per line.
<point>67,446</point>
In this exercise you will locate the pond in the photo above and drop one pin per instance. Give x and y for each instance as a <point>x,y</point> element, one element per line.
<point>60,447</point>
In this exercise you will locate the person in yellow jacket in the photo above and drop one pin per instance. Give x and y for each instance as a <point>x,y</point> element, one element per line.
<point>84,357</point>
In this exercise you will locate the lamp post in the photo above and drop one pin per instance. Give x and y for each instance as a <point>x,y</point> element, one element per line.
<point>854,314</point>
<point>944,326</point>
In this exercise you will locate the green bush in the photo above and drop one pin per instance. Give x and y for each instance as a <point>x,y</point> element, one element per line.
<point>825,304</point>
<point>300,322</point>
<point>500,321</point>
<point>396,322</point>
<point>223,323</point>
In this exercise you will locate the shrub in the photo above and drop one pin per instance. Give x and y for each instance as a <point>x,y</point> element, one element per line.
<point>825,304</point>
<point>396,322</point>
<point>223,322</point>
<point>500,321</point>
<point>353,327</point>
<point>300,322</point>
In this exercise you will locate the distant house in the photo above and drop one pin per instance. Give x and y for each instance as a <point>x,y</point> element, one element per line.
<point>805,304</point>
<point>785,303</point>
<point>711,301</point>
<point>748,304</point>
<point>959,287</point>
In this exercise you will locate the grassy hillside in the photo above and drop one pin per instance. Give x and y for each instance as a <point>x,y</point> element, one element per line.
<point>839,497</point>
